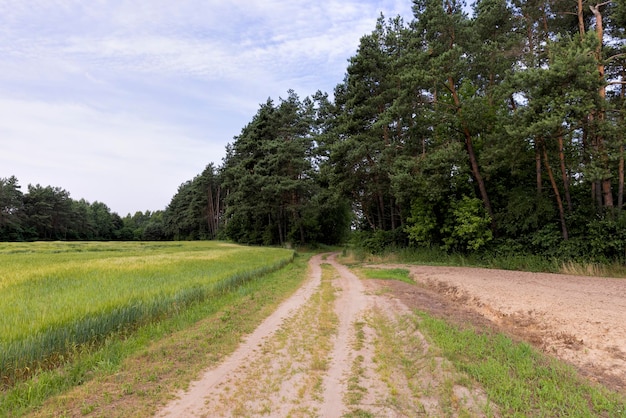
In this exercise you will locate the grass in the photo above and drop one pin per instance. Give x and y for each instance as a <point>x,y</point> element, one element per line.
<point>402,275</point>
<point>134,374</point>
<point>520,380</point>
<point>515,379</point>
<point>520,262</point>
<point>415,373</point>
<point>61,298</point>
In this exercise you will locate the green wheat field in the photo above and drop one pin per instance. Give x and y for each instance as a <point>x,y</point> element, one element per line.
<point>60,295</point>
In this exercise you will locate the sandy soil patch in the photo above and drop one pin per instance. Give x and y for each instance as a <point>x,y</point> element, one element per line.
<point>581,320</point>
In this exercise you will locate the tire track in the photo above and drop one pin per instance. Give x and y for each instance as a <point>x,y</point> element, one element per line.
<point>192,402</point>
<point>348,305</point>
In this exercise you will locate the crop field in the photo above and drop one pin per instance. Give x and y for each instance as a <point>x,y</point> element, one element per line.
<point>57,296</point>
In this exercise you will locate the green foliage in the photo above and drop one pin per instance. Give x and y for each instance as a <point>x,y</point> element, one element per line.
<point>11,207</point>
<point>195,211</point>
<point>467,229</point>
<point>422,225</point>
<point>606,238</point>
<point>49,213</point>
<point>378,241</point>
<point>273,191</point>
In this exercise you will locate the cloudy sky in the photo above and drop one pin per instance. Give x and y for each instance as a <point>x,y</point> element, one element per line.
<point>121,101</point>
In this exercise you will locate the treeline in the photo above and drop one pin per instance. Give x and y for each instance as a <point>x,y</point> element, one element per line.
<point>499,131</point>
<point>49,213</point>
<point>502,131</point>
<point>273,187</point>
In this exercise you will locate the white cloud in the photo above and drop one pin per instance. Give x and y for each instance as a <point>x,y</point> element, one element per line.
<point>122,100</point>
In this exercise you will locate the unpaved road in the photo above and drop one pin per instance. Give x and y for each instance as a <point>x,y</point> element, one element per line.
<point>329,350</point>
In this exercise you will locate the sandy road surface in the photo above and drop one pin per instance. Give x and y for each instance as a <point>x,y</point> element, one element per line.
<point>329,350</point>
<point>324,353</point>
<point>193,401</point>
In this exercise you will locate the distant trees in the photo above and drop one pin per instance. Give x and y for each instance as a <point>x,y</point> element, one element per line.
<point>195,210</point>
<point>269,190</point>
<point>49,213</point>
<point>268,175</point>
<point>11,209</point>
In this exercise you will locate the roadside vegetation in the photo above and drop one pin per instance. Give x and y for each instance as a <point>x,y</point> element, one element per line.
<point>516,377</point>
<point>134,371</point>
<point>433,256</point>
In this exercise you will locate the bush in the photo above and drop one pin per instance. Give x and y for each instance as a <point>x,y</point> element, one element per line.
<point>377,242</point>
<point>468,227</point>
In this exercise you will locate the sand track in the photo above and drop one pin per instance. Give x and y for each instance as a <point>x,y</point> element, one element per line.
<point>308,357</point>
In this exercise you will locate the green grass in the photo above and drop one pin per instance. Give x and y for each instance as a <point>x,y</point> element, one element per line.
<point>518,262</point>
<point>386,274</point>
<point>520,380</point>
<point>57,297</point>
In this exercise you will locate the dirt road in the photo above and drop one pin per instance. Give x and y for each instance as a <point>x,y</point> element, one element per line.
<point>332,349</point>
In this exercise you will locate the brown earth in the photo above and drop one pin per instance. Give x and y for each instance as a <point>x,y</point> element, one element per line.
<point>278,371</point>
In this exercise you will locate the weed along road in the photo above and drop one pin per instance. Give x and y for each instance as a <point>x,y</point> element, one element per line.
<point>337,347</point>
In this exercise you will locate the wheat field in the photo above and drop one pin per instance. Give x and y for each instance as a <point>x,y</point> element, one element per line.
<point>60,295</point>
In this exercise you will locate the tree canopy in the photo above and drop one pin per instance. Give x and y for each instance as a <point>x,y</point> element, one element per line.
<point>501,130</point>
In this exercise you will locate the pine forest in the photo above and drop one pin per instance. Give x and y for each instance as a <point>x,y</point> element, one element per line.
<point>496,130</point>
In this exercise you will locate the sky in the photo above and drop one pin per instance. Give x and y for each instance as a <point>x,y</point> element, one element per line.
<point>122,101</point>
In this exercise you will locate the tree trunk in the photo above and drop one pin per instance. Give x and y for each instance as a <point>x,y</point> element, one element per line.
<point>538,168</point>
<point>620,191</point>
<point>564,175</point>
<point>557,194</point>
<point>472,156</point>
<point>393,217</point>
<point>381,212</point>
<point>581,20</point>
<point>209,211</point>
<point>218,209</point>
<point>596,189</point>
<point>620,187</point>
<point>607,194</point>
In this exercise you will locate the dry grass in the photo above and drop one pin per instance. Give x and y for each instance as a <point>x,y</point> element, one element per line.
<point>583,269</point>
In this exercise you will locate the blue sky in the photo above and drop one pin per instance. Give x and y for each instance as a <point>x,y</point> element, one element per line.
<point>122,101</point>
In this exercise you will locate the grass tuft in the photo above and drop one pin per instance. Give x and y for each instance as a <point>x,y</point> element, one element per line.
<point>402,275</point>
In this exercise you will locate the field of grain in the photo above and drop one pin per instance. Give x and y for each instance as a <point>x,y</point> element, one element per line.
<point>57,296</point>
